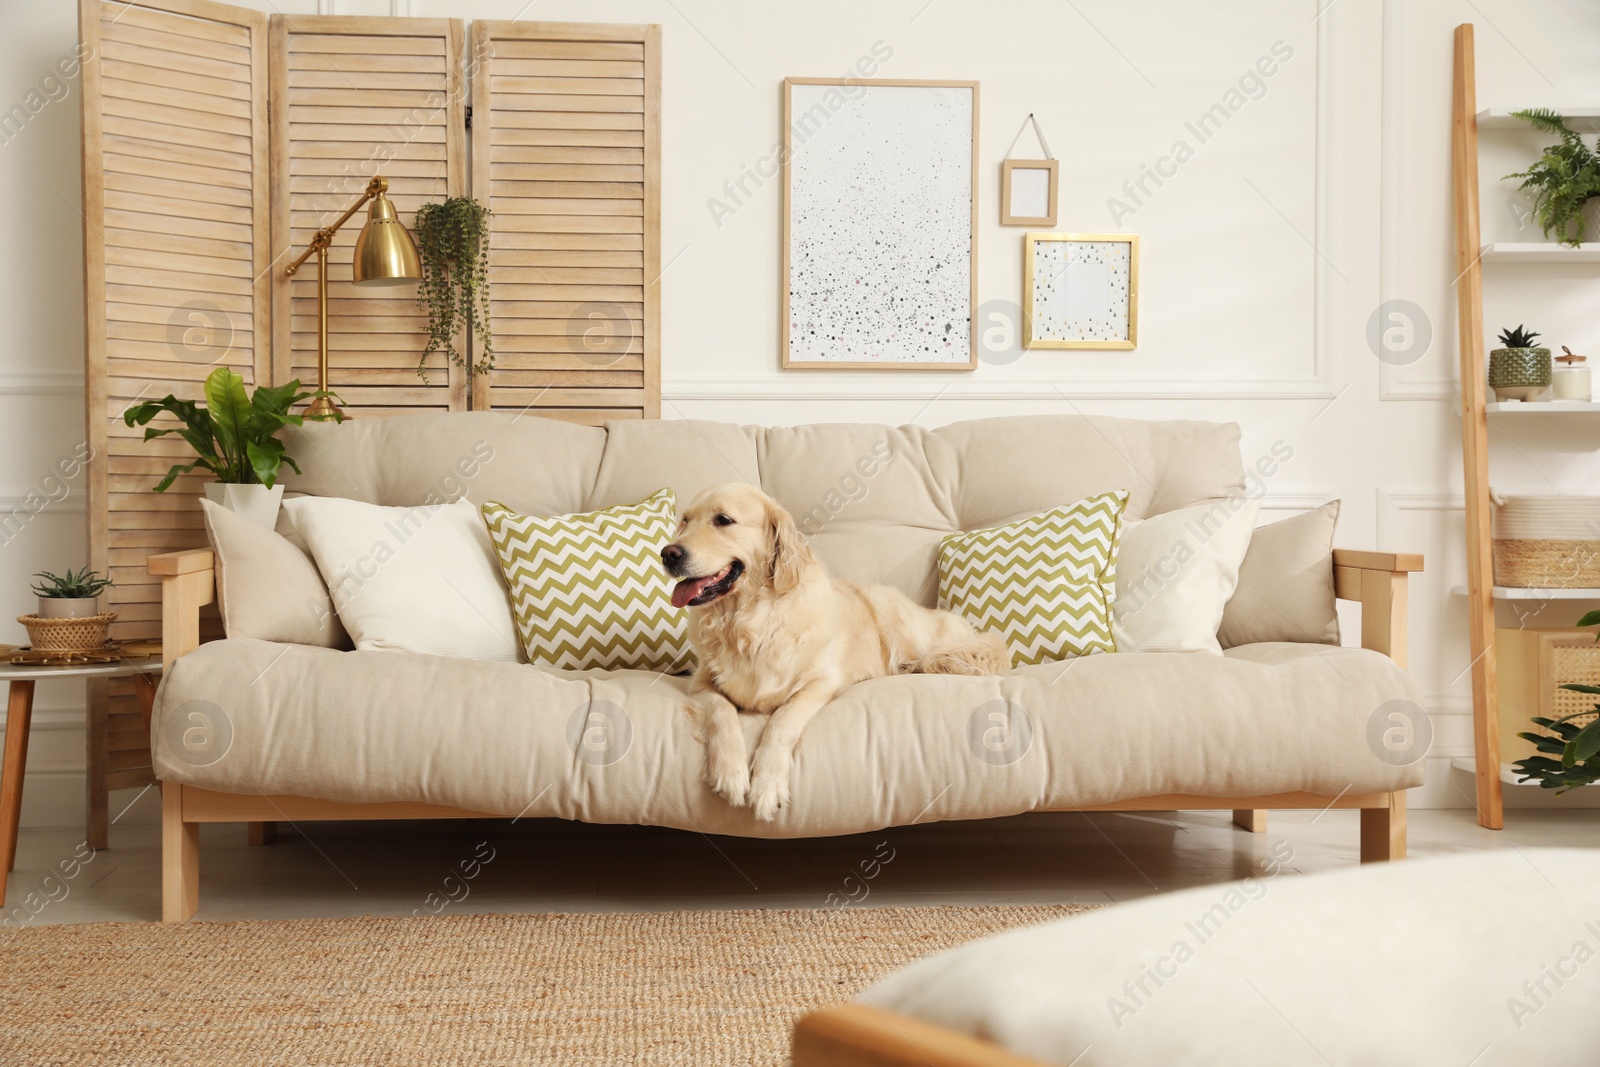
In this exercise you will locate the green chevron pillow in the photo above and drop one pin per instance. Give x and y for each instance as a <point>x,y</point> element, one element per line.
<point>1043,583</point>
<point>589,590</point>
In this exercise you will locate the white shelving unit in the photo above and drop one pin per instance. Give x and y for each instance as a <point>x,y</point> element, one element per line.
<point>1508,776</point>
<point>1511,592</point>
<point>1543,407</point>
<point>1583,119</point>
<point>1540,252</point>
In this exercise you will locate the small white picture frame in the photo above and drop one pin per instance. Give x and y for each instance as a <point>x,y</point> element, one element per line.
<point>1080,290</point>
<point>1029,189</point>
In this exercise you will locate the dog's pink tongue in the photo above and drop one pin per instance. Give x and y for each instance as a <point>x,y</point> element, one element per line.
<point>688,589</point>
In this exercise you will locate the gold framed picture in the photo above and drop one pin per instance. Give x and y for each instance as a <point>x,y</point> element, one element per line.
<point>1080,290</point>
<point>879,192</point>
<point>1028,191</point>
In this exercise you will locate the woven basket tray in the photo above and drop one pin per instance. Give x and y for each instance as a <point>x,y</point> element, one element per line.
<point>88,634</point>
<point>1577,664</point>
<point>1547,542</point>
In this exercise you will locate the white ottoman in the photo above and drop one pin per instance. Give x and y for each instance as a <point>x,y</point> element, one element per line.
<point>1477,960</point>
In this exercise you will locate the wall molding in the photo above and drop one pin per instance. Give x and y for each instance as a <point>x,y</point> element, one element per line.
<point>41,384</point>
<point>1391,502</point>
<point>1394,149</point>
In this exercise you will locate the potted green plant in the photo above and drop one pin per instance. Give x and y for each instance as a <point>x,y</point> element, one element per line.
<point>235,437</point>
<point>1565,181</point>
<point>69,596</point>
<point>1571,752</point>
<point>1520,370</point>
<point>452,240</point>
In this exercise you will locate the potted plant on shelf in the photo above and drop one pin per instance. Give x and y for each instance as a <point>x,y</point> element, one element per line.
<point>452,240</point>
<point>1572,752</point>
<point>69,596</point>
<point>1519,371</point>
<point>235,436</point>
<point>1565,181</point>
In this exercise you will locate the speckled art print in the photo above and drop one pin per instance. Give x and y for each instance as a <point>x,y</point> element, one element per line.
<point>1081,289</point>
<point>879,187</point>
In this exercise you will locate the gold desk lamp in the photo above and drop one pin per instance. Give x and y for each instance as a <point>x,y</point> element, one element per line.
<point>385,255</point>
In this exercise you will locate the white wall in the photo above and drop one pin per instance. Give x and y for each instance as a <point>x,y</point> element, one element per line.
<point>1264,257</point>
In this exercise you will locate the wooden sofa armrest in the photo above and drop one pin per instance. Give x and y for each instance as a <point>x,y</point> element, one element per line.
<point>857,1035</point>
<point>1378,581</point>
<point>188,583</point>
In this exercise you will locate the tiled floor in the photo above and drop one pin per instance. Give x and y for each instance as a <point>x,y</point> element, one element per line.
<point>345,869</point>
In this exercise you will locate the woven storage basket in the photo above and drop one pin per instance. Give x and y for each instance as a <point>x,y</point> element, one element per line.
<point>1547,542</point>
<point>1579,664</point>
<point>87,634</point>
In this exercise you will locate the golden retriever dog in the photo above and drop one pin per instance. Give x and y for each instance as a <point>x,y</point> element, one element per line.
<point>776,635</point>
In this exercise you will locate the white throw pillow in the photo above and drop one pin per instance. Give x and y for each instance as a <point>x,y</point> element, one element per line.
<point>1175,573</point>
<point>422,579</point>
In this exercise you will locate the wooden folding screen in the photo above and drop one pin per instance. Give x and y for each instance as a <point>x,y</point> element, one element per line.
<point>566,153</point>
<point>175,205</point>
<point>351,98</point>
<point>216,143</point>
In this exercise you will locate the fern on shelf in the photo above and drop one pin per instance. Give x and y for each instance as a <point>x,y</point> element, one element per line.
<point>1563,179</point>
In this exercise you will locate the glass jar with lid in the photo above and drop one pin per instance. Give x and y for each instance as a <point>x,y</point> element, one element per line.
<point>1571,378</point>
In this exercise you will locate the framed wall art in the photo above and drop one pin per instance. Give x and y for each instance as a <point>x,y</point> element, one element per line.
<point>1080,290</point>
<point>880,241</point>
<point>1028,191</point>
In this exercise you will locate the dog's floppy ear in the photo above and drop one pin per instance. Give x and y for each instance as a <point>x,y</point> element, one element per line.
<point>790,555</point>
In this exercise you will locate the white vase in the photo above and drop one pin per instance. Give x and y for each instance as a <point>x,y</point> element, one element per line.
<point>254,502</point>
<point>60,607</point>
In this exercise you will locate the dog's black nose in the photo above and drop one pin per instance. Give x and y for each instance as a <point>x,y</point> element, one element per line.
<point>672,555</point>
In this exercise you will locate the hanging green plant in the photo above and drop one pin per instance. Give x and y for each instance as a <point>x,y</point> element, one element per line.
<point>453,240</point>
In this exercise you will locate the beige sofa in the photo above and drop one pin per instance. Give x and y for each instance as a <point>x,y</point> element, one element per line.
<point>317,733</point>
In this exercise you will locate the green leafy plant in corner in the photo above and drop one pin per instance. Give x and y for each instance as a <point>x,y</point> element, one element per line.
<point>1517,337</point>
<point>453,242</point>
<point>1566,175</point>
<point>74,585</point>
<point>235,434</point>
<point>1571,751</point>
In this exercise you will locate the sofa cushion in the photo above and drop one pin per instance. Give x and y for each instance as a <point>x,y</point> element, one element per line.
<point>1175,573</point>
<point>870,518</point>
<point>1432,961</point>
<point>503,738</point>
<point>589,590</point>
<point>267,585</point>
<point>422,579</point>
<point>1285,588</point>
<point>1043,583</point>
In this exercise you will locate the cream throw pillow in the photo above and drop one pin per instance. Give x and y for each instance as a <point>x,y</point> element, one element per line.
<point>1175,573</point>
<point>1042,583</point>
<point>1286,583</point>
<point>421,579</point>
<point>267,586</point>
<point>589,590</point>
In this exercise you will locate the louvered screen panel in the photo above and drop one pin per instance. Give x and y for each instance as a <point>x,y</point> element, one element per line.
<point>175,182</point>
<point>175,190</point>
<point>354,97</point>
<point>567,156</point>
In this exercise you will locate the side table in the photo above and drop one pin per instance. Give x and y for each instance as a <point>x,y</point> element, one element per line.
<point>19,712</point>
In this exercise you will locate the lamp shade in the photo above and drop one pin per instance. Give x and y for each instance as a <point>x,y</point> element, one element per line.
<point>385,253</point>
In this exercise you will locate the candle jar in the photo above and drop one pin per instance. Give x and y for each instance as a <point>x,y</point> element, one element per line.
<point>1570,380</point>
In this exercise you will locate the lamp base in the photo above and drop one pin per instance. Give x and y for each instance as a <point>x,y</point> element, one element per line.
<point>323,407</point>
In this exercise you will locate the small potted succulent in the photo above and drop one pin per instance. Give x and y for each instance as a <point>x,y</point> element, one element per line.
<point>69,596</point>
<point>236,437</point>
<point>1519,371</point>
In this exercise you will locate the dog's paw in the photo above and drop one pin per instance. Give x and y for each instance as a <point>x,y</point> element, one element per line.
<point>728,778</point>
<point>769,794</point>
<point>697,721</point>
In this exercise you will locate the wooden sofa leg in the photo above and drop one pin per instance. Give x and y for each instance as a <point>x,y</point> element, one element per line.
<point>1383,831</point>
<point>1251,819</point>
<point>261,833</point>
<point>180,858</point>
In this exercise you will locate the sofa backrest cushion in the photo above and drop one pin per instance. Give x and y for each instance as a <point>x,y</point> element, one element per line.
<point>874,500</point>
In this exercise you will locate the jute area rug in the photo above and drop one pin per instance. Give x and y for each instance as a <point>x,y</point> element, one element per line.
<point>700,988</point>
